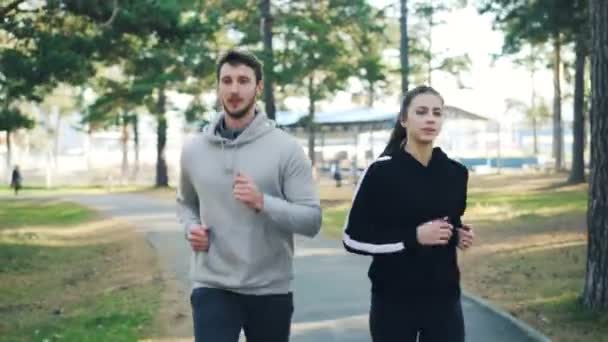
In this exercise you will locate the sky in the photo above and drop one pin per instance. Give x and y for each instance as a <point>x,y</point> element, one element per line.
<point>466,31</point>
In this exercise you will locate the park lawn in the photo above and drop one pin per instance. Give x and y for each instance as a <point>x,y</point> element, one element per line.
<point>38,190</point>
<point>69,275</point>
<point>530,252</point>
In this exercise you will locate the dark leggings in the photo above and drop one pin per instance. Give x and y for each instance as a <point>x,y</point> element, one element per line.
<point>395,319</point>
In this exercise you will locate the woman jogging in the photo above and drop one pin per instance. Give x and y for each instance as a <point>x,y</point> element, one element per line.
<point>407,213</point>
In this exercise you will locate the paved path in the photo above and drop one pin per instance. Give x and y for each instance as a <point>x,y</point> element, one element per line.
<point>331,287</point>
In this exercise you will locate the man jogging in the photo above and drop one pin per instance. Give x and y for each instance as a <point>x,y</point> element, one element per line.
<point>245,189</point>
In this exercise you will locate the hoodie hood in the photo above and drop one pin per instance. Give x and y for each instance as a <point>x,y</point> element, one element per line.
<point>438,158</point>
<point>259,127</point>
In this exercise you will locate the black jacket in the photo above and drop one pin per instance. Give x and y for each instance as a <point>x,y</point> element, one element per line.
<point>395,196</point>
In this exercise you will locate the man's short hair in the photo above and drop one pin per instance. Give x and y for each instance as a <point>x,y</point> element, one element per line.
<point>236,57</point>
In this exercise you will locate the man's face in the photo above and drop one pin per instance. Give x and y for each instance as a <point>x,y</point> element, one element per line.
<point>237,89</point>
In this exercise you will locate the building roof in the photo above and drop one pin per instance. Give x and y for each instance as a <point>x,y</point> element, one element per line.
<point>358,116</point>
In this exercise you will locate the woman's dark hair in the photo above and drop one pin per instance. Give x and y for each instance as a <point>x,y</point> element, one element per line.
<point>399,134</point>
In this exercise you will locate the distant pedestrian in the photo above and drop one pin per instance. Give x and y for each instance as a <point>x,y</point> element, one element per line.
<point>407,214</point>
<point>16,180</point>
<point>337,173</point>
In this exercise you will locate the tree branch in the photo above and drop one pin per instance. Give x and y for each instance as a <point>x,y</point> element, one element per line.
<point>109,22</point>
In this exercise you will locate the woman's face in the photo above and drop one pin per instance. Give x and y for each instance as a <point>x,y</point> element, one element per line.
<point>424,118</point>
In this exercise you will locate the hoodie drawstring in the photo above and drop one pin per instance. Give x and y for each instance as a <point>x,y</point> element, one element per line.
<point>229,163</point>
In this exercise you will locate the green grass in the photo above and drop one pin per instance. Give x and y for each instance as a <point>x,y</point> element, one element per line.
<point>333,220</point>
<point>539,274</point>
<point>542,287</point>
<point>72,292</point>
<point>498,210</point>
<point>122,316</point>
<point>515,209</point>
<point>65,190</point>
<point>26,258</point>
<point>574,200</point>
<point>19,213</point>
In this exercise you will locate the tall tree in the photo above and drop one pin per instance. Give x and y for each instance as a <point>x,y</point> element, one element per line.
<point>164,45</point>
<point>581,34</point>
<point>322,62</point>
<point>538,22</point>
<point>369,41</point>
<point>558,134</point>
<point>536,115</point>
<point>171,50</point>
<point>44,46</point>
<point>427,12</point>
<point>595,292</point>
<point>267,57</point>
<point>533,60</point>
<point>577,171</point>
<point>115,107</point>
<point>403,46</point>
<point>59,42</point>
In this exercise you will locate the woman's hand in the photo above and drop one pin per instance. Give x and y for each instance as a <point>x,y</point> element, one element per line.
<point>465,237</point>
<point>436,232</point>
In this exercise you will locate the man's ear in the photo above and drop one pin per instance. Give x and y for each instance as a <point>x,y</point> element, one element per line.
<point>259,88</point>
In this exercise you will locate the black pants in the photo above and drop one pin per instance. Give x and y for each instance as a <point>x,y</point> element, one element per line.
<point>219,316</point>
<point>395,319</point>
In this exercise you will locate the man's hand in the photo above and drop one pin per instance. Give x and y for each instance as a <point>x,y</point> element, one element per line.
<point>247,192</point>
<point>436,232</point>
<point>199,238</point>
<point>465,237</point>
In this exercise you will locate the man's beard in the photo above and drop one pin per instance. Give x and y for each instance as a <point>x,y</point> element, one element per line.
<point>239,113</point>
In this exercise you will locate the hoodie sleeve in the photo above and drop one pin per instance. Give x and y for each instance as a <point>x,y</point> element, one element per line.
<point>363,234</point>
<point>457,219</point>
<point>299,209</point>
<point>187,199</point>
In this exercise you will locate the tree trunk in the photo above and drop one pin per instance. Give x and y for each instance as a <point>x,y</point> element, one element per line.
<point>9,151</point>
<point>595,293</point>
<point>533,104</point>
<point>430,51</point>
<point>557,104</point>
<point>87,148</point>
<point>124,140</point>
<point>577,172</point>
<point>371,92</point>
<point>134,125</point>
<point>311,120</point>
<point>404,48</point>
<point>268,57</point>
<point>56,142</point>
<point>162,177</point>
<point>535,135</point>
<point>49,168</point>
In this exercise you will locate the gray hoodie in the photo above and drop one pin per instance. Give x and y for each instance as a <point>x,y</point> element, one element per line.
<point>249,252</point>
